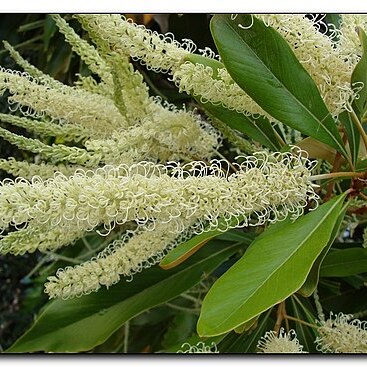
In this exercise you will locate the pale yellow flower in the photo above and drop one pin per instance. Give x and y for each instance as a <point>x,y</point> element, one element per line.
<point>282,343</point>
<point>342,334</point>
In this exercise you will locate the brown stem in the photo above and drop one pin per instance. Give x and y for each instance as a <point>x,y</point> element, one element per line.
<point>336,166</point>
<point>300,321</point>
<point>280,317</point>
<point>336,175</point>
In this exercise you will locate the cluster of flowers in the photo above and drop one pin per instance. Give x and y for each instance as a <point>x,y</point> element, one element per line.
<point>118,169</point>
<point>339,334</point>
<point>328,52</point>
<point>114,121</point>
<point>166,200</point>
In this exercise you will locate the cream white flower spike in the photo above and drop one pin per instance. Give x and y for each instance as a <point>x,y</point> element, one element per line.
<point>28,170</point>
<point>65,103</point>
<point>124,257</point>
<point>158,52</point>
<point>197,79</point>
<point>265,188</point>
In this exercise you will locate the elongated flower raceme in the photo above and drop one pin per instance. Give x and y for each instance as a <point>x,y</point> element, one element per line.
<point>31,69</point>
<point>158,52</point>
<point>125,131</point>
<point>28,170</point>
<point>37,237</point>
<point>165,135</point>
<point>328,55</point>
<point>68,104</point>
<point>54,152</point>
<point>265,188</point>
<point>124,257</point>
<point>162,53</point>
<point>349,43</point>
<point>197,80</point>
<point>86,51</point>
<point>68,132</point>
<point>342,334</point>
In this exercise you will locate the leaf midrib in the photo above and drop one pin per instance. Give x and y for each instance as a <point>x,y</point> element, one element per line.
<point>250,121</point>
<point>286,89</point>
<point>275,271</point>
<point>262,133</point>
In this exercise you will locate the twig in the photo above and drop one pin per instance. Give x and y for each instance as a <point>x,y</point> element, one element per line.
<point>359,126</point>
<point>300,321</point>
<point>223,157</point>
<point>61,257</point>
<point>39,264</point>
<point>86,244</point>
<point>280,317</point>
<point>180,308</point>
<point>326,176</point>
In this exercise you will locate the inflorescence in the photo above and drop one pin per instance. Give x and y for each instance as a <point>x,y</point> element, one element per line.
<point>179,199</point>
<point>113,161</point>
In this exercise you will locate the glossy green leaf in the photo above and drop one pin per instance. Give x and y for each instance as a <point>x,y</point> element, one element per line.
<point>236,235</point>
<point>80,324</point>
<point>247,342</point>
<point>361,165</point>
<point>353,135</point>
<point>259,129</point>
<point>274,267</point>
<point>346,262</point>
<point>359,76</point>
<point>184,251</point>
<point>187,249</point>
<point>246,325</point>
<point>262,63</point>
<point>312,280</point>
